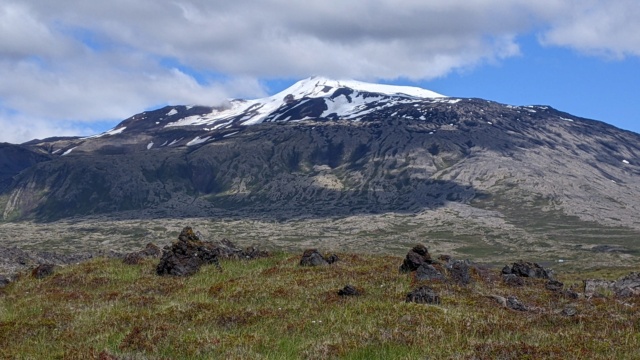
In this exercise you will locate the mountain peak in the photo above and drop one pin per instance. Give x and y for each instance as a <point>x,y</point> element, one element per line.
<point>318,86</point>
<point>325,97</point>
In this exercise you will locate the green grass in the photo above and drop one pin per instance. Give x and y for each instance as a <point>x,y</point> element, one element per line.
<point>273,309</point>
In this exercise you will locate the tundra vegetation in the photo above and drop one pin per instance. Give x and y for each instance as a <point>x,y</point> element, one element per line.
<point>273,308</point>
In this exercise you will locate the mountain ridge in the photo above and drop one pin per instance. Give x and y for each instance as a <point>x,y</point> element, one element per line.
<point>374,153</point>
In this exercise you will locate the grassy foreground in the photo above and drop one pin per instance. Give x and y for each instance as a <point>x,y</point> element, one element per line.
<point>273,309</point>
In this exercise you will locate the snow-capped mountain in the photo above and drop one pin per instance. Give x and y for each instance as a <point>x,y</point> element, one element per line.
<point>309,99</point>
<point>335,148</point>
<point>336,99</point>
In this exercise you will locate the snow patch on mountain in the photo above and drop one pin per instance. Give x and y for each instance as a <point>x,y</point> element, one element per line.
<point>198,140</point>
<point>107,133</point>
<point>250,112</point>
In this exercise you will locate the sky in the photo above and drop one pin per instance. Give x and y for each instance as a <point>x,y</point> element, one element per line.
<point>77,67</point>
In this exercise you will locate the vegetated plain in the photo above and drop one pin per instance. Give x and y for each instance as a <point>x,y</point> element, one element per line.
<point>272,308</point>
<point>457,230</point>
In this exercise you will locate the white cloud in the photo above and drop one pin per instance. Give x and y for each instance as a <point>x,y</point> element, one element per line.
<point>17,128</point>
<point>84,61</point>
<point>609,28</point>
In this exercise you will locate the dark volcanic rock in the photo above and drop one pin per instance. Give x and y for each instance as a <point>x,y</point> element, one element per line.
<point>133,258</point>
<point>628,285</point>
<point>428,272</point>
<point>332,258</point>
<point>554,285</point>
<point>528,269</point>
<point>625,286</point>
<point>42,271</point>
<point>228,250</point>
<point>571,294</point>
<point>187,234</point>
<point>348,290</point>
<point>150,251</point>
<point>515,304</point>
<point>252,253</point>
<point>459,272</point>
<point>415,257</point>
<point>311,257</point>
<point>512,280</point>
<point>510,302</point>
<point>187,255</point>
<point>423,295</point>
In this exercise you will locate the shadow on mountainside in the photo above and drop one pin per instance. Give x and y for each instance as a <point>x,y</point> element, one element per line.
<point>307,169</point>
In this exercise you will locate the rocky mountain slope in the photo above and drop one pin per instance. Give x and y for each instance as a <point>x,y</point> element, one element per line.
<point>325,148</point>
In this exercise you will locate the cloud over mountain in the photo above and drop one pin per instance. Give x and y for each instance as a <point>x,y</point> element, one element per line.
<point>85,61</point>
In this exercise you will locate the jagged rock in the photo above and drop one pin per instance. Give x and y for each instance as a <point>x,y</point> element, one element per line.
<point>554,285</point>
<point>228,250</point>
<point>459,271</point>
<point>515,304</point>
<point>506,270</point>
<point>187,255</point>
<point>42,271</point>
<point>187,235</point>
<point>628,285</point>
<point>415,257</point>
<point>512,280</point>
<point>423,295</point>
<point>252,253</point>
<point>510,302</point>
<point>626,292</point>
<point>133,258</point>
<point>428,272</point>
<point>348,290</point>
<point>150,251</point>
<point>625,286</point>
<point>570,293</point>
<point>528,269</point>
<point>311,257</point>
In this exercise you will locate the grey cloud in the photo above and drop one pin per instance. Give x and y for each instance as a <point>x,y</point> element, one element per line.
<point>50,72</point>
<point>23,35</point>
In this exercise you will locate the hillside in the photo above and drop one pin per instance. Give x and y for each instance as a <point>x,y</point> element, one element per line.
<point>272,308</point>
<point>322,148</point>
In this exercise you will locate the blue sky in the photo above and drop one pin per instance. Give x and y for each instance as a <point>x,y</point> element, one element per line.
<point>593,87</point>
<point>74,67</point>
